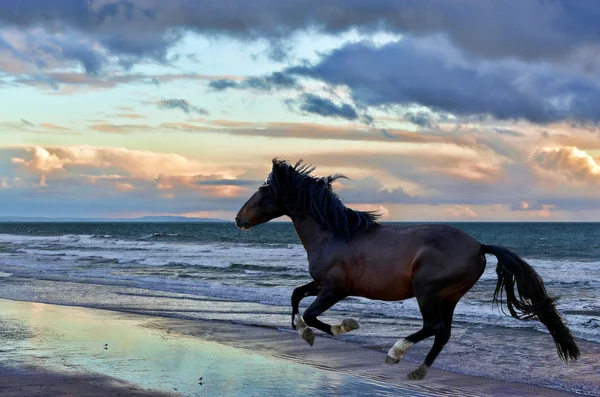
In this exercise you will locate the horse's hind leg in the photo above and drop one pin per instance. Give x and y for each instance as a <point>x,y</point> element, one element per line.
<point>430,307</point>
<point>442,335</point>
<point>324,301</point>
<point>310,289</point>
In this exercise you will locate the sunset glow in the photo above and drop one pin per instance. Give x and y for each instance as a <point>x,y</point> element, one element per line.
<point>123,109</point>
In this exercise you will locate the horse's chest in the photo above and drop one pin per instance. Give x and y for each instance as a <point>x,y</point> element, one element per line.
<point>317,271</point>
<point>338,271</point>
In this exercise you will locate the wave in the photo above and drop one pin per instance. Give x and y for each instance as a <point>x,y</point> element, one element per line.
<point>267,273</point>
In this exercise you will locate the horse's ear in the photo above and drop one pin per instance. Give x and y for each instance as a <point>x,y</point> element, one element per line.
<point>335,177</point>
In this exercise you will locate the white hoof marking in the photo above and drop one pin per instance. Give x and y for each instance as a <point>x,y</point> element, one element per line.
<point>304,330</point>
<point>397,351</point>
<point>299,323</point>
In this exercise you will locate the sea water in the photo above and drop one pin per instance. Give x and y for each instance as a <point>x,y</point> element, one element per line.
<point>214,271</point>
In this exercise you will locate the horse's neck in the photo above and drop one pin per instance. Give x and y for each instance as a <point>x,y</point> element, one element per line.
<point>309,230</point>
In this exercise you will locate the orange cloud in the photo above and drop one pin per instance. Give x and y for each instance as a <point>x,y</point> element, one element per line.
<point>41,160</point>
<point>569,161</point>
<point>120,128</point>
<point>54,127</point>
<point>385,213</point>
<point>134,163</point>
<point>461,211</point>
<point>124,186</point>
<point>223,189</point>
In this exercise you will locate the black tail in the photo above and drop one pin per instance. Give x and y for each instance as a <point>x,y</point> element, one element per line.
<point>531,300</point>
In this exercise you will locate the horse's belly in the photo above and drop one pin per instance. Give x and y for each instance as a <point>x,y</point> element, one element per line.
<point>385,289</point>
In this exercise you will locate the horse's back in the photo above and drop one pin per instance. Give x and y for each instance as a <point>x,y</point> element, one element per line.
<point>383,263</point>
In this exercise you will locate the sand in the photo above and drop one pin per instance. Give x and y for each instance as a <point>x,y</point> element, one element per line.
<point>55,350</point>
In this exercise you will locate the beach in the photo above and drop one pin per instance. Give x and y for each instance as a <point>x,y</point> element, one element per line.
<point>234,285</point>
<point>57,350</point>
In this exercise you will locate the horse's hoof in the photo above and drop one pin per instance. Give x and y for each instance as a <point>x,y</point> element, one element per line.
<point>418,374</point>
<point>309,336</point>
<point>391,360</point>
<point>345,326</point>
<point>350,324</point>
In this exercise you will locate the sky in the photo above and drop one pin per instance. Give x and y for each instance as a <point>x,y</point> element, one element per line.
<point>462,110</point>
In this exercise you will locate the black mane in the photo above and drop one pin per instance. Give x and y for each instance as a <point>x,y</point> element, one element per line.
<point>300,192</point>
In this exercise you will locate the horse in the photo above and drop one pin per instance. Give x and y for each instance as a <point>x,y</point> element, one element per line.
<point>351,254</point>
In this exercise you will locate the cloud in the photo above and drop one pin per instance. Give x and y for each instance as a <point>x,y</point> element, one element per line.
<point>370,190</point>
<point>314,104</point>
<point>570,161</point>
<point>133,163</point>
<point>124,186</point>
<point>54,127</point>
<point>473,139</point>
<point>432,72</point>
<point>120,128</point>
<point>461,212</point>
<point>181,104</point>
<point>26,126</point>
<point>273,81</point>
<point>136,30</point>
<point>526,206</point>
<point>84,82</point>
<point>203,183</point>
<point>508,132</point>
<point>130,116</point>
<point>422,119</point>
<point>41,160</point>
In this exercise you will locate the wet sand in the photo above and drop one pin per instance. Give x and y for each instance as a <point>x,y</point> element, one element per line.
<point>59,350</point>
<point>43,383</point>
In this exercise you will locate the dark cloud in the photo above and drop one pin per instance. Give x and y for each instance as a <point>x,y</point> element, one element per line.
<point>223,84</point>
<point>71,49</point>
<point>136,30</point>
<point>182,104</point>
<point>269,82</point>
<point>314,104</point>
<point>432,72</point>
<point>422,119</point>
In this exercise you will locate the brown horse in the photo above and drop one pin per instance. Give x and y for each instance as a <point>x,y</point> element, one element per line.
<point>350,254</point>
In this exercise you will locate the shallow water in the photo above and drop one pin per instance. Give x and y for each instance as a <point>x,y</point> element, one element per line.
<point>75,340</point>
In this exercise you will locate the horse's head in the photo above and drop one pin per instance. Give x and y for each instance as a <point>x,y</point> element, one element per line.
<point>264,205</point>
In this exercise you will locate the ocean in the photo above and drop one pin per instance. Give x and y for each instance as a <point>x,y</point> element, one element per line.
<point>213,271</point>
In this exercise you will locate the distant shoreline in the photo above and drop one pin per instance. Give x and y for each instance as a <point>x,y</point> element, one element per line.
<point>145,219</point>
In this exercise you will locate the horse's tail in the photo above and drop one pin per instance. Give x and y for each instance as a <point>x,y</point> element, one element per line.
<point>531,299</point>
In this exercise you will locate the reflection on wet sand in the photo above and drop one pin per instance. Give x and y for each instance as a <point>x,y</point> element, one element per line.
<point>204,358</point>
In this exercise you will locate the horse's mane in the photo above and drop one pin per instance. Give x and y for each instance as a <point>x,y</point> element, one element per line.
<point>300,192</point>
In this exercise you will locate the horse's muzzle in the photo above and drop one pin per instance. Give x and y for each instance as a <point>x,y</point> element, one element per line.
<point>242,225</point>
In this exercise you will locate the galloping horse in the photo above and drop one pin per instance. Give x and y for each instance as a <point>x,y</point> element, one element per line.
<point>350,254</point>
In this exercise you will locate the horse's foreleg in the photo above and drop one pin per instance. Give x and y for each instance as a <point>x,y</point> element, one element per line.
<point>324,301</point>
<point>310,289</point>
